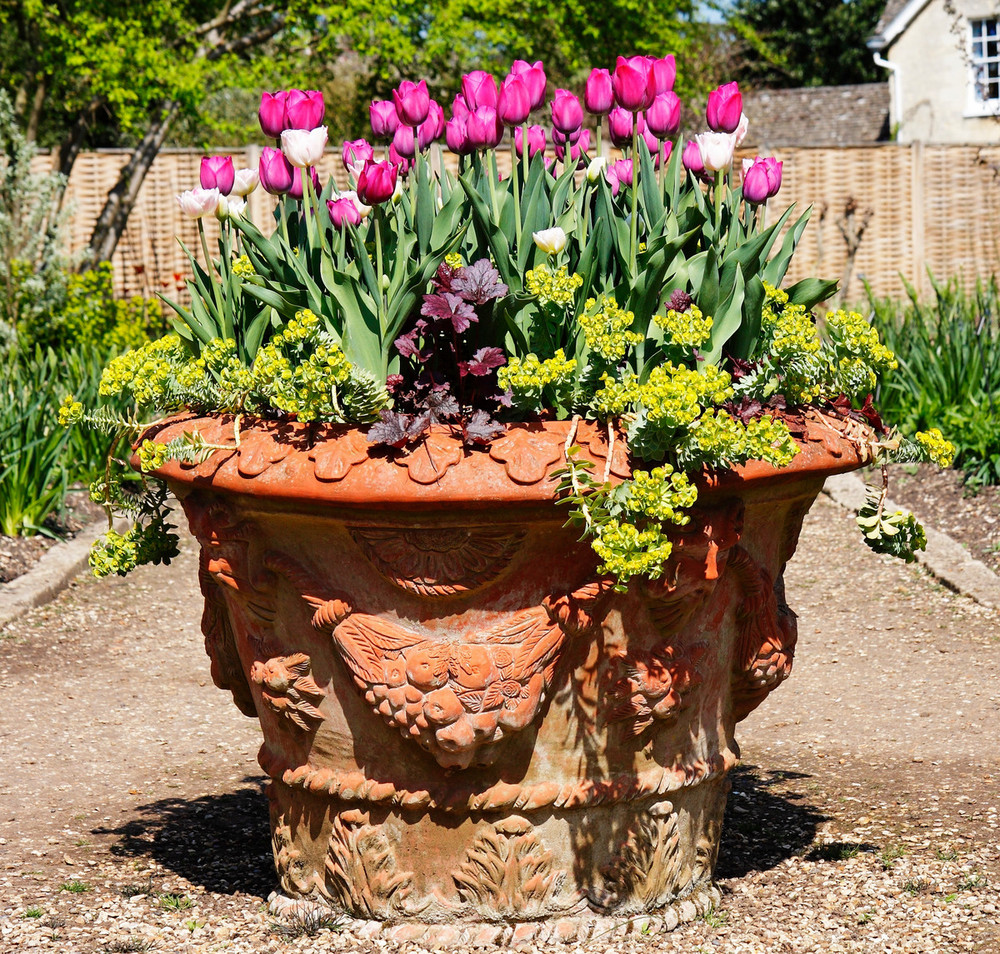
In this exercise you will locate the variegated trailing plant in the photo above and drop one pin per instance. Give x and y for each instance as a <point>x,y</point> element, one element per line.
<point>644,294</point>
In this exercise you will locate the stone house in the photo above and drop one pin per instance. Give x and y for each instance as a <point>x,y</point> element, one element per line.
<point>943,58</point>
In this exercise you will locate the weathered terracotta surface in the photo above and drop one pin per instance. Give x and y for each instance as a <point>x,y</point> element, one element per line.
<point>464,724</point>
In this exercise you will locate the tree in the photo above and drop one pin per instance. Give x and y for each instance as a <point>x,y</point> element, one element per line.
<point>784,43</point>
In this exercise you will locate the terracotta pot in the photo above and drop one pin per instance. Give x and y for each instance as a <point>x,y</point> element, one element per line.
<point>471,737</point>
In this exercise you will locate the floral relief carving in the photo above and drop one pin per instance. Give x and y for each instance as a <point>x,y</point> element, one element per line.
<point>646,873</point>
<point>362,875</point>
<point>438,562</point>
<point>508,873</point>
<point>431,458</point>
<point>527,455</point>
<point>335,456</point>
<point>260,449</point>
<point>289,690</point>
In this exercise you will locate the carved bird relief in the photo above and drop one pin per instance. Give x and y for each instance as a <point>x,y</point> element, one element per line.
<point>288,689</point>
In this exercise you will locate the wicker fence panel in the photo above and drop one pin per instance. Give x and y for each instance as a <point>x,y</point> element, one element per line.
<point>926,207</point>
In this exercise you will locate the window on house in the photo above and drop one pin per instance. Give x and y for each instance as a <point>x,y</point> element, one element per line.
<point>986,61</point>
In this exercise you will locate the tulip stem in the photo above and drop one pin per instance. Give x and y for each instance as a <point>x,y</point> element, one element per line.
<point>216,285</point>
<point>718,203</point>
<point>634,230</point>
<point>377,216</point>
<point>513,180</point>
<point>491,175</point>
<point>600,127</point>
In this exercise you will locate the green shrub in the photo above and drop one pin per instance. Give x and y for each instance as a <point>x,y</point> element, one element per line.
<point>948,351</point>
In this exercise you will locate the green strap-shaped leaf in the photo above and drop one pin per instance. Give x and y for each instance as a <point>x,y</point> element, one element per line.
<point>727,319</point>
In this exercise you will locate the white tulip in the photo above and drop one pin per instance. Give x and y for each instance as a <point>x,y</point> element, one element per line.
<point>245,181</point>
<point>551,241</point>
<point>363,210</point>
<point>303,147</point>
<point>596,168</point>
<point>716,150</point>
<point>741,129</point>
<point>199,202</point>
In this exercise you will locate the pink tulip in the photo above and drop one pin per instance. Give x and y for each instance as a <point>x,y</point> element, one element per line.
<point>619,174</point>
<point>457,136</point>
<point>664,116</point>
<point>402,164</point>
<point>756,186</point>
<point>304,109</point>
<point>402,141</point>
<point>272,113</point>
<point>276,174</point>
<point>691,157</point>
<point>479,89</point>
<point>620,127</point>
<point>343,211</point>
<point>773,168</point>
<point>536,141</point>
<point>725,107</point>
<point>560,139</point>
<point>534,78</point>
<point>567,113</point>
<point>432,128</point>
<point>664,72</point>
<point>296,190</point>
<point>377,182</point>
<point>357,150</point>
<point>647,136</point>
<point>460,108</point>
<point>664,155</point>
<point>514,101</point>
<point>633,83</point>
<point>742,129</point>
<point>484,128</point>
<point>577,149</point>
<point>598,94</point>
<point>412,102</point>
<point>384,120</point>
<point>218,172</point>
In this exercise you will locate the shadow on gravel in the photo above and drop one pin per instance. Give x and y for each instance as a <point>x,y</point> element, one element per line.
<point>219,842</point>
<point>766,821</point>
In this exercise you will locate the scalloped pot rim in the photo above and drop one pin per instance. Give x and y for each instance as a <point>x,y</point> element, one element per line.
<point>332,464</point>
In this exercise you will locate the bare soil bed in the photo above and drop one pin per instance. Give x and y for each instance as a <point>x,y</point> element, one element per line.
<point>865,817</point>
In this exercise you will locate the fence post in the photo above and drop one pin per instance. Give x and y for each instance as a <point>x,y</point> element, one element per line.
<point>917,204</point>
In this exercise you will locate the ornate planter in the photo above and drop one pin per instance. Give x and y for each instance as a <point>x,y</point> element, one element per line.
<point>471,737</point>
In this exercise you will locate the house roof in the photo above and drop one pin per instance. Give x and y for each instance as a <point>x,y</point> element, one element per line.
<point>895,18</point>
<point>818,116</point>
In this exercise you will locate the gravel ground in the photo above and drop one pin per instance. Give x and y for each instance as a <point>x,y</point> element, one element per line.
<point>865,816</point>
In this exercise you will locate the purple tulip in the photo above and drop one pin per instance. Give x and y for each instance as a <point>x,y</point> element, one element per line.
<point>304,109</point>
<point>560,139</point>
<point>756,186</point>
<point>218,172</point>
<point>534,78</point>
<point>412,102</point>
<point>275,171</point>
<point>382,113</point>
<point>402,164</point>
<point>577,149</point>
<point>773,168</point>
<point>357,150</point>
<point>296,190</point>
<point>664,116</point>
<point>619,174</point>
<point>647,136</point>
<point>536,141</point>
<point>432,128</point>
<point>484,128</point>
<point>272,113</point>
<point>664,154</point>
<point>460,108</point>
<point>479,89</point>
<point>620,126</point>
<point>598,94</point>
<point>343,212</point>
<point>725,106</point>
<point>567,113</point>
<point>514,101</point>
<point>457,136</point>
<point>633,83</point>
<point>664,72</point>
<point>377,182</point>
<point>691,157</point>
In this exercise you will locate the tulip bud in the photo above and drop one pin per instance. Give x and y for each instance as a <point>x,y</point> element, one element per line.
<point>272,113</point>
<point>479,89</point>
<point>725,107</point>
<point>633,83</point>
<point>356,150</point>
<point>716,150</point>
<point>296,189</point>
<point>222,209</point>
<point>382,113</point>
<point>245,181</point>
<point>664,72</point>
<point>377,182</point>
<point>236,206</point>
<point>457,137</point>
<point>199,202</point>
<point>773,168</point>
<point>551,241</point>
<point>560,139</point>
<point>619,174</point>
<point>402,163</point>
<point>304,109</point>
<point>647,137</point>
<point>460,108</point>
<point>742,129</point>
<point>275,171</point>
<point>343,211</point>
<point>664,116</point>
<point>514,101</point>
<point>534,78</point>
<point>598,94</point>
<point>402,141</point>
<point>412,102</point>
<point>596,168</point>
<point>217,172</point>
<point>303,147</point>
<point>756,186</point>
<point>620,127</point>
<point>432,128</point>
<point>536,141</point>
<point>577,149</point>
<point>484,128</point>
<point>567,113</point>
<point>691,157</point>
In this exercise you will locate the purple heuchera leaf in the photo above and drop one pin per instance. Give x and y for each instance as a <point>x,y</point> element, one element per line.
<point>479,282</point>
<point>481,428</point>
<point>407,346</point>
<point>483,361</point>
<point>440,403</point>
<point>451,308</point>
<point>443,277</point>
<point>392,429</point>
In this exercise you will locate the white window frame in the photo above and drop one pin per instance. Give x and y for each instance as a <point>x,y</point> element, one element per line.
<point>975,105</point>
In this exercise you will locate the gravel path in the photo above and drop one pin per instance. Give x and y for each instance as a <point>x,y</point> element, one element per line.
<point>865,816</point>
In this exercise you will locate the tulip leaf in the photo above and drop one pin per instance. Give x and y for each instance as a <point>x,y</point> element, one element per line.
<point>774,271</point>
<point>727,319</point>
<point>811,291</point>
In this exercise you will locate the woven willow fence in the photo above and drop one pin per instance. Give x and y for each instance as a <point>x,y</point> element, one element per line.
<point>935,207</point>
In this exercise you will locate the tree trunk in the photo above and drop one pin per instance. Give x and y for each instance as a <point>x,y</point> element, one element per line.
<point>111,222</point>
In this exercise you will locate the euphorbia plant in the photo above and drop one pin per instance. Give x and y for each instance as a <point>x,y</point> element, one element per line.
<point>644,293</point>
